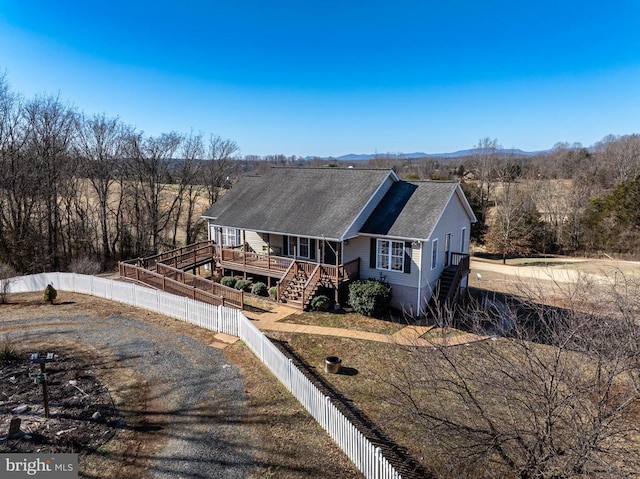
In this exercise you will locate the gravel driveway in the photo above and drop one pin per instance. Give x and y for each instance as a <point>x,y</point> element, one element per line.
<point>194,396</point>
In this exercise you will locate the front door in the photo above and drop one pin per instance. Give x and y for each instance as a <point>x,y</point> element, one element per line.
<point>330,252</point>
<point>447,250</point>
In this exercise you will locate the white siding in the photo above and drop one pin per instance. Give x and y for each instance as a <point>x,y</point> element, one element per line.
<point>404,298</point>
<point>453,219</point>
<point>255,241</point>
<point>360,247</point>
<point>405,292</point>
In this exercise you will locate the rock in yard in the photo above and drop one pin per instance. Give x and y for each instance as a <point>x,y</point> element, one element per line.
<point>21,409</point>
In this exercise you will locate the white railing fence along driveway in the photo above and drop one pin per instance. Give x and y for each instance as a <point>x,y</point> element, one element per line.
<point>366,456</point>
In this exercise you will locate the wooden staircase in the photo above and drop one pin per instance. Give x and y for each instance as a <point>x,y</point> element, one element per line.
<point>294,289</point>
<point>448,291</point>
<point>447,284</point>
<point>300,285</point>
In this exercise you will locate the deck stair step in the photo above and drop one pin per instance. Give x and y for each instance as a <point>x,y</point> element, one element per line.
<point>446,283</point>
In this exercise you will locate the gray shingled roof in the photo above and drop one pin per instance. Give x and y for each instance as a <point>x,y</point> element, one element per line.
<point>410,209</point>
<point>315,202</point>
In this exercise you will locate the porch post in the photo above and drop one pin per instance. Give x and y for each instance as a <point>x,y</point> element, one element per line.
<point>244,256</point>
<point>269,259</point>
<point>336,295</point>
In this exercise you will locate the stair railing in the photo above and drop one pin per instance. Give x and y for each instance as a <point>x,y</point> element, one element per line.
<point>310,285</point>
<point>283,284</point>
<point>461,262</point>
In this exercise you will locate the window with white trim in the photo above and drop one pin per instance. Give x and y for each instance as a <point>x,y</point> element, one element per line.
<point>434,254</point>
<point>301,246</point>
<point>390,255</point>
<point>230,237</point>
<point>463,239</point>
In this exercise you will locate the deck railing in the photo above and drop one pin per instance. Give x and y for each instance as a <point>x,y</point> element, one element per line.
<point>232,296</point>
<point>198,254</point>
<point>310,285</point>
<point>460,259</point>
<point>462,263</point>
<point>149,262</point>
<point>257,260</point>
<point>338,274</point>
<point>174,282</point>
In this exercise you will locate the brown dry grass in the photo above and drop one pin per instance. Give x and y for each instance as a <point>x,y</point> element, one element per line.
<point>354,321</point>
<point>364,385</point>
<point>167,197</point>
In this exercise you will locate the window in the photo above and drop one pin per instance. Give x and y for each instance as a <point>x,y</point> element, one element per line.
<point>434,254</point>
<point>447,249</point>
<point>230,237</point>
<point>303,247</point>
<point>390,255</point>
<point>300,246</point>
<point>463,238</point>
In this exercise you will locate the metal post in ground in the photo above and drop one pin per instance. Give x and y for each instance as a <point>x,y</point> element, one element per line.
<point>41,378</point>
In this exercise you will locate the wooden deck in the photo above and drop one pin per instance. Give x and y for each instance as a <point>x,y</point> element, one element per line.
<point>169,271</point>
<point>254,263</point>
<point>277,266</point>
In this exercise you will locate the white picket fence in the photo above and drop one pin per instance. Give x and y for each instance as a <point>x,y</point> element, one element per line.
<point>366,457</point>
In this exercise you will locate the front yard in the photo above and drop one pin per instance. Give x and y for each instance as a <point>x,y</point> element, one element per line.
<point>347,320</point>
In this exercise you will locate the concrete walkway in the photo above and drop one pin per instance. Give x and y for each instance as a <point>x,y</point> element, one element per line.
<point>407,336</point>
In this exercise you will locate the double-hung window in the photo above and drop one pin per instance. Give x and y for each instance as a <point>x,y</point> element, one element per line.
<point>301,246</point>
<point>390,255</point>
<point>230,237</point>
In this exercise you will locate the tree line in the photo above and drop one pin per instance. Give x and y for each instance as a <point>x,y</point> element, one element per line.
<point>75,187</point>
<point>569,200</point>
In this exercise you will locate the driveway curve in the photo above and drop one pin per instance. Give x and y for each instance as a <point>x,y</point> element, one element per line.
<point>181,399</point>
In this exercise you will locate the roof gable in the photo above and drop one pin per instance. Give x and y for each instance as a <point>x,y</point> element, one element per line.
<point>412,210</point>
<point>315,202</point>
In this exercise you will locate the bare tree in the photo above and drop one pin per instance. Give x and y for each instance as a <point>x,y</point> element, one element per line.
<point>554,395</point>
<point>188,182</point>
<point>7,273</point>
<point>101,145</point>
<point>16,185</point>
<point>515,226</point>
<point>218,167</point>
<point>483,165</point>
<point>150,163</point>
<point>52,128</point>
<point>620,156</point>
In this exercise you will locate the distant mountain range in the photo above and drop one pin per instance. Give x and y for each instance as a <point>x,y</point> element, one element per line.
<point>455,154</point>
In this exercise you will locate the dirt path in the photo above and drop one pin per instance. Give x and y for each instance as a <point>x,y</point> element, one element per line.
<point>551,273</point>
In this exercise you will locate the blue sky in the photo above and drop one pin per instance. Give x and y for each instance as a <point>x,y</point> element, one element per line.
<point>337,77</point>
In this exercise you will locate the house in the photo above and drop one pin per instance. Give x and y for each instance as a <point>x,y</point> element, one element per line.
<point>314,228</point>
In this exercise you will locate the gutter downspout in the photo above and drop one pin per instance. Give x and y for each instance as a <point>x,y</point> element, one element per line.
<point>419,303</point>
